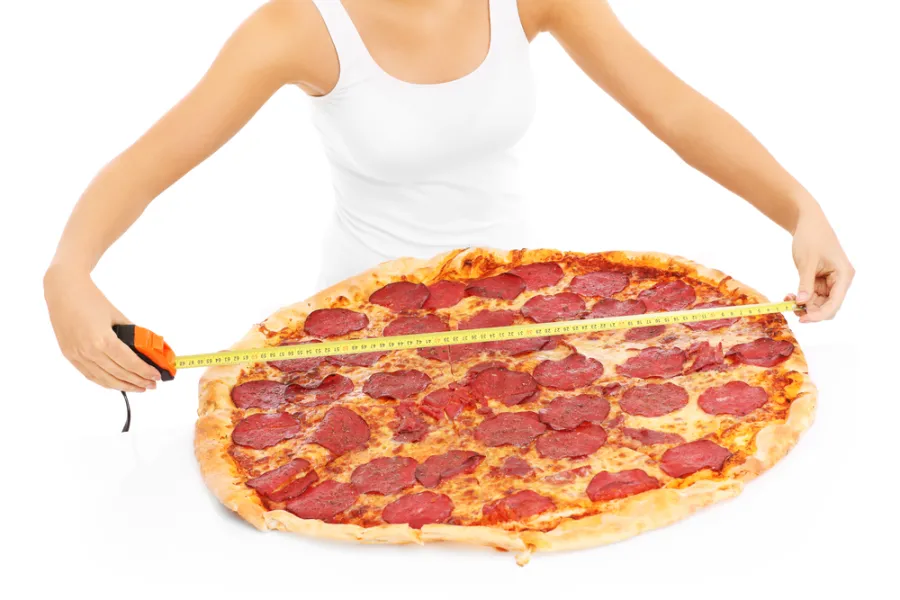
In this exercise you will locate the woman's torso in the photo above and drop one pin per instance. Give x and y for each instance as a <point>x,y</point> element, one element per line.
<point>421,168</point>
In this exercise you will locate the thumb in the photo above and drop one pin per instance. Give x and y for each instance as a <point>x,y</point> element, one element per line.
<point>807,269</point>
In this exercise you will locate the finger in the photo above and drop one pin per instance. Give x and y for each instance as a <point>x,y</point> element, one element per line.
<point>807,270</point>
<point>114,369</point>
<point>96,374</point>
<point>835,298</point>
<point>123,356</point>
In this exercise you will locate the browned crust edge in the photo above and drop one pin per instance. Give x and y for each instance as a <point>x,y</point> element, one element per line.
<point>634,515</point>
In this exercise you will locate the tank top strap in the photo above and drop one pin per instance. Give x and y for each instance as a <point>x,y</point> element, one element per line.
<point>355,61</point>
<point>506,26</point>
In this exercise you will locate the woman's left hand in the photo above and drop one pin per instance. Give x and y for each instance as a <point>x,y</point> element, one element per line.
<point>825,271</point>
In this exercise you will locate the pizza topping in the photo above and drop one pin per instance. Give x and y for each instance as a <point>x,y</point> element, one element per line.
<point>276,478</point>
<point>297,365</point>
<point>610,307</point>
<point>733,398</point>
<point>328,390</point>
<point>654,399</point>
<point>341,431</point>
<point>384,475</point>
<point>585,439</point>
<point>762,352</point>
<point>448,401</point>
<point>439,468</point>
<point>264,430</point>
<point>702,356</point>
<point>648,437</point>
<point>639,334</point>
<point>654,362</point>
<point>672,295</point>
<point>400,296</point>
<point>330,322</point>
<point>261,393</point>
<point>324,501</point>
<point>539,275</point>
<point>489,318</point>
<point>397,385</point>
<point>710,325</point>
<point>569,476</point>
<point>505,287</point>
<point>572,372</point>
<point>508,387</point>
<point>558,307</point>
<point>444,294</point>
<point>366,359</point>
<point>599,283</point>
<point>510,428</point>
<point>419,509</point>
<point>570,412</point>
<point>514,466</point>
<point>692,457</point>
<point>611,486</point>
<point>517,506</point>
<point>409,426</point>
<point>413,325</point>
<point>294,488</point>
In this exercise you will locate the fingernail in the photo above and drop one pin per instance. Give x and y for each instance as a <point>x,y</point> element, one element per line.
<point>802,297</point>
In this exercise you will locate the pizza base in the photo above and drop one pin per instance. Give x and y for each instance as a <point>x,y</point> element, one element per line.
<point>634,515</point>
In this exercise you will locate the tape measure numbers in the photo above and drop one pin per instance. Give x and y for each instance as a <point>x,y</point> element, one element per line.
<point>474,336</point>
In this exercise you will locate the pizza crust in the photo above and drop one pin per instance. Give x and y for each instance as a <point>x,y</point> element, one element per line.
<point>633,515</point>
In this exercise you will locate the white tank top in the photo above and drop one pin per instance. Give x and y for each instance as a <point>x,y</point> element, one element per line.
<point>420,169</point>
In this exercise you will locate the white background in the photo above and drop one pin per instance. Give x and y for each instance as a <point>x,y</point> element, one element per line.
<point>87,508</point>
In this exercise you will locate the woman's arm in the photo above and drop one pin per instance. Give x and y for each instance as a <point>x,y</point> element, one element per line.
<point>707,138</point>
<point>269,50</point>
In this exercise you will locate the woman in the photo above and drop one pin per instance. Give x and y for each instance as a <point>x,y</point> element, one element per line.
<point>410,127</point>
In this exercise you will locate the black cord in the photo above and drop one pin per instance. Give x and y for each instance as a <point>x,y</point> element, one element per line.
<point>127,413</point>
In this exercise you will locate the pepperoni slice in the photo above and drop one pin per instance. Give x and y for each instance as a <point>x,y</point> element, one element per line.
<point>711,325</point>
<point>733,398</point>
<point>294,488</point>
<point>514,466</point>
<point>570,412</point>
<point>654,399</point>
<point>558,307</point>
<point>505,287</point>
<point>539,275</point>
<point>400,296</point>
<point>599,283</point>
<point>610,307</point>
<point>328,390</point>
<point>367,359</point>
<point>444,294</point>
<point>572,372</point>
<point>517,506</point>
<point>511,428</point>
<point>341,431</point>
<point>762,352</point>
<point>385,475</point>
<point>448,401</point>
<point>489,318</point>
<point>330,322</point>
<point>264,430</point>
<point>298,365</point>
<point>272,480</point>
<point>397,385</point>
<point>671,295</point>
<point>692,457</point>
<point>508,387</point>
<point>639,334</point>
<point>419,509</point>
<point>413,325</point>
<point>648,437</point>
<point>261,393</point>
<point>585,439</point>
<point>324,501</point>
<point>409,426</point>
<point>607,485</point>
<point>442,467</point>
<point>521,346</point>
<point>703,357</point>
<point>654,362</point>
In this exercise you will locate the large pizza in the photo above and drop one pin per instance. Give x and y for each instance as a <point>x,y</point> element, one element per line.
<point>529,444</point>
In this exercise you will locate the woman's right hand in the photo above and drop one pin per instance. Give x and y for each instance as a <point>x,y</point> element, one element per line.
<point>82,320</point>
